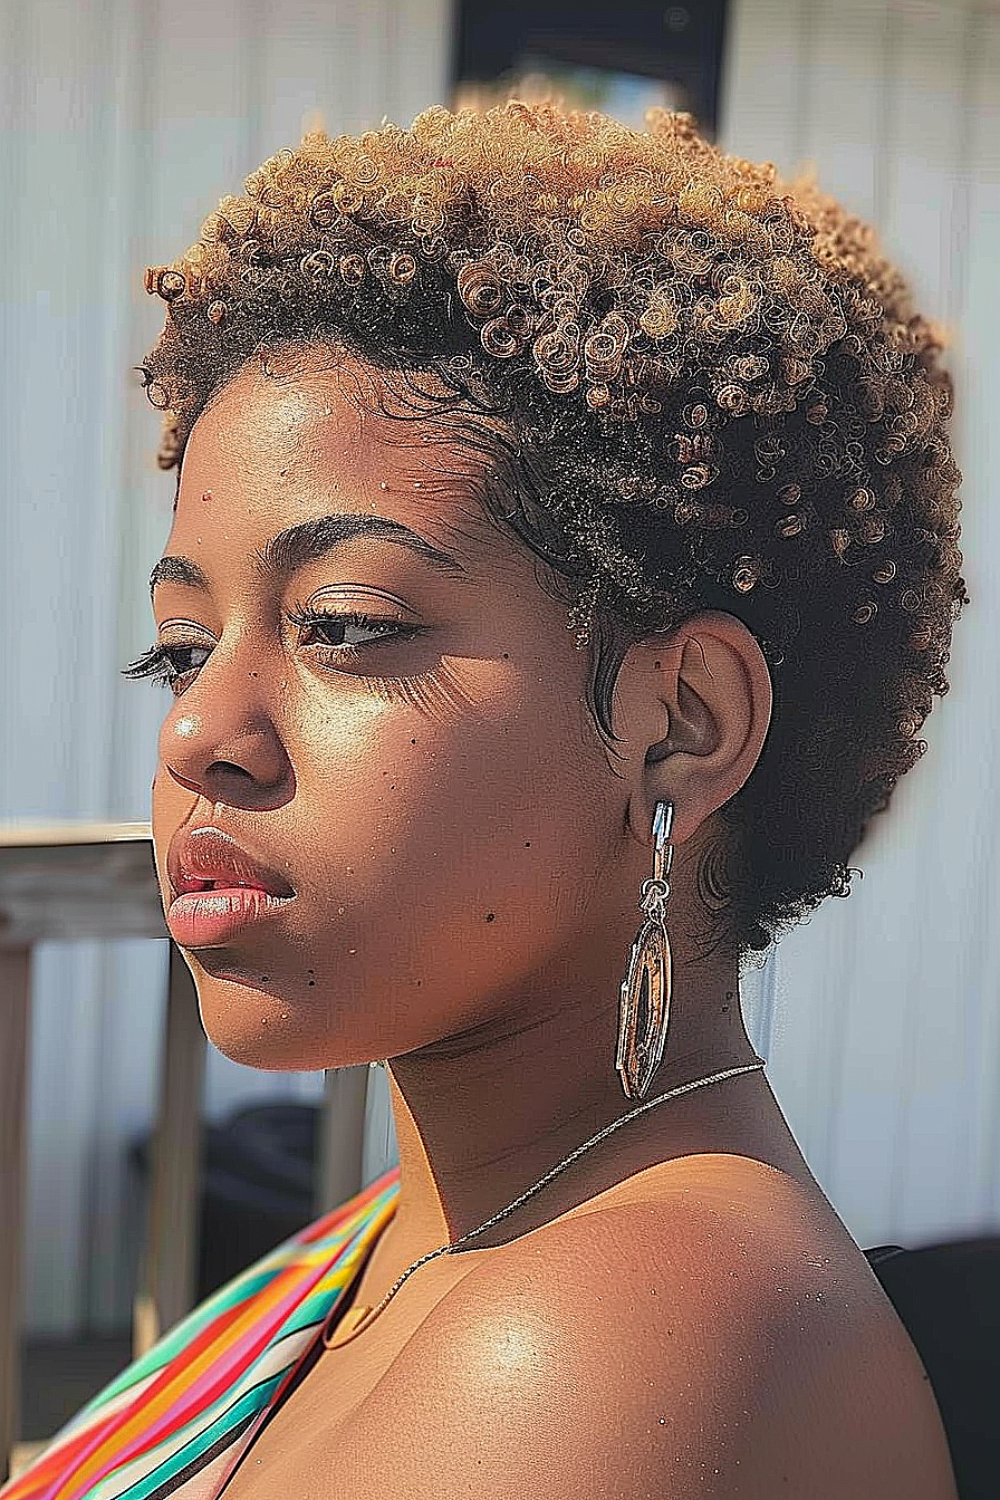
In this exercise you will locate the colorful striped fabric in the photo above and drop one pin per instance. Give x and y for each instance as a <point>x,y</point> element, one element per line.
<point>177,1421</point>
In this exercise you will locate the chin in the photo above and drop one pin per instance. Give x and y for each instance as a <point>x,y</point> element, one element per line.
<point>250,1020</point>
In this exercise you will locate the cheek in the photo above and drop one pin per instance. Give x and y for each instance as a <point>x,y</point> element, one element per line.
<point>437,861</point>
<point>476,825</point>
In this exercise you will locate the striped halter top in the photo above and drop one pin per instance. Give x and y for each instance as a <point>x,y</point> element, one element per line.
<point>177,1421</point>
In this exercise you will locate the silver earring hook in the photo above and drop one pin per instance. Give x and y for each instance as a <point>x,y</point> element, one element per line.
<point>663,821</point>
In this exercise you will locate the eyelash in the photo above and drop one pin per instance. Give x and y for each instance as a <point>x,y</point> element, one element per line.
<point>158,662</point>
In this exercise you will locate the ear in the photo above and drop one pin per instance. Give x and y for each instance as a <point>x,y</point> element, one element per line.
<point>695,707</point>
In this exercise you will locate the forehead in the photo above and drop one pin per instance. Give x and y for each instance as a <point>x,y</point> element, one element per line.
<point>302,435</point>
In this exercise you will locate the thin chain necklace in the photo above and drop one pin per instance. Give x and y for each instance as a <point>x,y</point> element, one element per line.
<point>358,1318</point>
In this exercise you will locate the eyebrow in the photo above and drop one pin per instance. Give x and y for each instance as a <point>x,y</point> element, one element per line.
<point>297,545</point>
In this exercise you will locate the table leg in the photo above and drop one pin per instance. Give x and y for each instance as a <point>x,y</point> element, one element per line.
<point>167,1287</point>
<point>15,1004</point>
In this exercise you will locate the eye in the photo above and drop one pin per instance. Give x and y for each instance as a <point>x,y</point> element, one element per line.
<point>171,664</point>
<point>162,665</point>
<point>337,624</point>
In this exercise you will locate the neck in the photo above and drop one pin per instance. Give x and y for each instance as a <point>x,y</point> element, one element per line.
<point>480,1117</point>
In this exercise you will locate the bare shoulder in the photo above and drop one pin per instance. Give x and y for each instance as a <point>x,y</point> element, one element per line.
<point>688,1344</point>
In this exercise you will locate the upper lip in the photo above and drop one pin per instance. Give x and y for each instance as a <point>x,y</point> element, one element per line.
<point>199,856</point>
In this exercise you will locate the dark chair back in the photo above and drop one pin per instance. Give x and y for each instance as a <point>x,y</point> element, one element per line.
<point>948,1299</point>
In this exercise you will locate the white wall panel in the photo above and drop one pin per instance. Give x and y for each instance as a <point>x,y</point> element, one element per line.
<point>922,153</point>
<point>971,859</point>
<point>887,1053</point>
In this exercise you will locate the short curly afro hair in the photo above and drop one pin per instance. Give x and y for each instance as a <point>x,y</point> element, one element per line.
<point>692,386</point>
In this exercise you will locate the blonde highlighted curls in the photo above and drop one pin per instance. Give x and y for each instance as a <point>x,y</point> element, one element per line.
<point>716,394</point>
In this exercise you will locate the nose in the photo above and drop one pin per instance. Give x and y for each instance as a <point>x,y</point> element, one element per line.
<point>220,739</point>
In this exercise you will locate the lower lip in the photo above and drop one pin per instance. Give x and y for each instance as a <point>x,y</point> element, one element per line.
<point>200,919</point>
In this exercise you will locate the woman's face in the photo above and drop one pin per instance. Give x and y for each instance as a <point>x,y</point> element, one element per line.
<point>430,784</point>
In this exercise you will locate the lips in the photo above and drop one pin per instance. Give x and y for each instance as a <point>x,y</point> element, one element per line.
<point>206,858</point>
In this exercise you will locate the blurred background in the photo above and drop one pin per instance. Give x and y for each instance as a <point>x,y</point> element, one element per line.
<point>124,121</point>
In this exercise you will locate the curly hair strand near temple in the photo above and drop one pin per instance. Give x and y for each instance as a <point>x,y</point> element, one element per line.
<point>689,386</point>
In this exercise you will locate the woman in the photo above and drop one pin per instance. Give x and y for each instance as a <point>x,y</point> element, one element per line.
<point>430,394</point>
